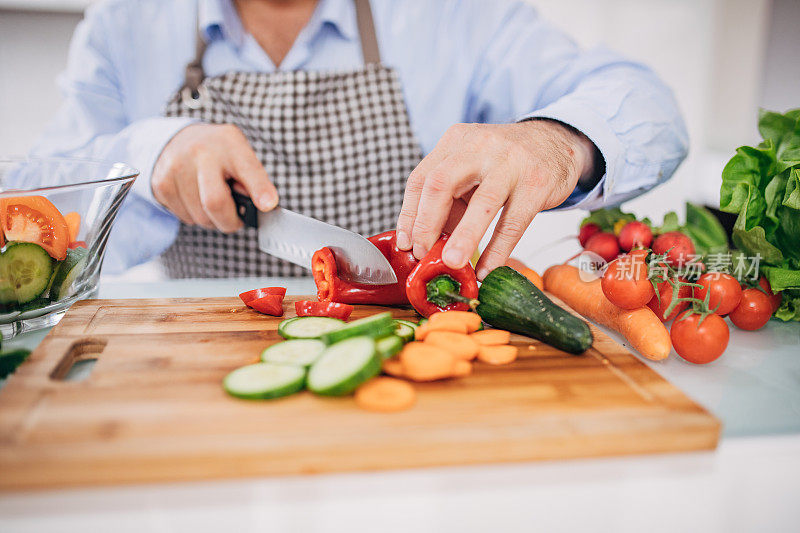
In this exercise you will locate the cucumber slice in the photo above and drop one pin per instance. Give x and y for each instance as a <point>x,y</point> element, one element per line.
<point>297,352</point>
<point>405,329</point>
<point>389,346</point>
<point>422,321</point>
<point>374,326</point>
<point>263,381</point>
<point>10,360</point>
<point>25,270</point>
<point>344,366</point>
<point>308,327</point>
<point>67,272</point>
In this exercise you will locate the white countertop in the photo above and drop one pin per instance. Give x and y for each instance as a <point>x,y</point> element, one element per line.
<point>750,483</point>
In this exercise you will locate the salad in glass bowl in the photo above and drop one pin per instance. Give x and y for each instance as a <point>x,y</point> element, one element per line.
<point>55,218</point>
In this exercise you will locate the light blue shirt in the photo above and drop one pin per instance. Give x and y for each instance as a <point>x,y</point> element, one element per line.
<point>458,60</point>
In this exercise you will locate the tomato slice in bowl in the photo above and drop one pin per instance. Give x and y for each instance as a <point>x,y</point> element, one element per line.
<point>35,219</point>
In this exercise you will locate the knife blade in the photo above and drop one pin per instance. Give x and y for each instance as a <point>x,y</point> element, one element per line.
<point>294,237</point>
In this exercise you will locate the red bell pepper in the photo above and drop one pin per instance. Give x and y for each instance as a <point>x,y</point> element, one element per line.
<point>329,309</point>
<point>432,286</point>
<point>255,294</point>
<point>76,244</point>
<point>330,287</point>
<point>270,304</point>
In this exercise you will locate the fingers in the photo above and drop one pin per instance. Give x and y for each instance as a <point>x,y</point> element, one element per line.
<point>484,205</point>
<point>517,216</point>
<point>189,194</point>
<point>414,186</point>
<point>249,172</point>
<point>216,200</point>
<point>166,193</point>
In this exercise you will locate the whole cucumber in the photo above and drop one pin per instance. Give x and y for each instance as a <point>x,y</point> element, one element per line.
<point>509,301</point>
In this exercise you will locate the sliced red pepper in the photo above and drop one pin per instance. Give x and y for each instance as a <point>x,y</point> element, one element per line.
<point>433,286</point>
<point>332,288</point>
<point>76,244</point>
<point>329,309</point>
<point>270,304</point>
<point>255,294</point>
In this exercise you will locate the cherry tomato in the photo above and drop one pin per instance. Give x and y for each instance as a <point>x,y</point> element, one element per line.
<point>697,342</point>
<point>678,247</point>
<point>586,231</point>
<point>625,282</point>
<point>725,292</point>
<point>753,311</point>
<point>659,302</point>
<point>35,219</point>
<point>775,297</point>
<point>603,244</point>
<point>633,234</point>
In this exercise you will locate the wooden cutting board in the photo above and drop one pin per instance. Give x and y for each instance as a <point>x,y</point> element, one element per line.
<point>152,408</point>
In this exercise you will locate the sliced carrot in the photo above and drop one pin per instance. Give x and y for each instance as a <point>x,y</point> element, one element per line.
<point>425,362</point>
<point>422,332</point>
<point>394,367</point>
<point>73,221</point>
<point>385,395</point>
<point>472,320</point>
<point>491,337</point>
<point>534,277</point>
<point>497,355</point>
<point>458,344</point>
<point>462,368</point>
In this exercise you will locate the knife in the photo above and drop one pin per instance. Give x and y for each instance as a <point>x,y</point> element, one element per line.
<point>295,237</point>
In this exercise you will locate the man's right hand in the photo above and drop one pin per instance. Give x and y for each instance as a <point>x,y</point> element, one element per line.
<point>190,177</point>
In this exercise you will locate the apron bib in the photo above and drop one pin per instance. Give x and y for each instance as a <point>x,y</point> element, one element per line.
<point>337,145</point>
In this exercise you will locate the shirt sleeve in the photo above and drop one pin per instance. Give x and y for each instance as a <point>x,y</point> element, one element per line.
<point>530,69</point>
<point>92,122</point>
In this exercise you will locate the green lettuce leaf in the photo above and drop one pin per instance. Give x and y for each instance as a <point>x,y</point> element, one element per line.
<point>670,223</point>
<point>606,218</point>
<point>790,306</point>
<point>751,238</point>
<point>748,170</point>
<point>791,197</point>
<point>705,230</point>
<point>781,278</point>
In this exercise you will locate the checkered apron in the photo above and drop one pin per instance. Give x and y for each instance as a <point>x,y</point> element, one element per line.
<point>337,145</point>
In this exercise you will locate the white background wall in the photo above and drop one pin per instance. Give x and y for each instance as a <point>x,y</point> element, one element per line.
<point>722,58</point>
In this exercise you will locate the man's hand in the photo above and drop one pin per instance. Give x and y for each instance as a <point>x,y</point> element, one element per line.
<point>191,174</point>
<point>477,169</point>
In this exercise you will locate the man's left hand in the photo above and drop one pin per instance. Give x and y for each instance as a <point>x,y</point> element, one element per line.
<point>477,169</point>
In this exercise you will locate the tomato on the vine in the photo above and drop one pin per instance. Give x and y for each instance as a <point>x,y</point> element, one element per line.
<point>753,311</point>
<point>725,292</point>
<point>662,300</point>
<point>625,282</point>
<point>699,341</point>
<point>775,297</point>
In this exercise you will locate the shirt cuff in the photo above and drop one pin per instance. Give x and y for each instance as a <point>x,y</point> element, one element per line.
<point>146,142</point>
<point>585,119</point>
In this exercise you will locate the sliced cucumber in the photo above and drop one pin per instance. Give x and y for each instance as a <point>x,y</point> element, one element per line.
<point>389,346</point>
<point>422,321</point>
<point>344,366</point>
<point>308,327</point>
<point>405,329</point>
<point>67,272</point>
<point>297,352</point>
<point>10,360</point>
<point>263,381</point>
<point>25,270</point>
<point>374,326</point>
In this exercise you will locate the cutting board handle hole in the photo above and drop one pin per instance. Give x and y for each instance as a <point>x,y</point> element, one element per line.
<point>78,362</point>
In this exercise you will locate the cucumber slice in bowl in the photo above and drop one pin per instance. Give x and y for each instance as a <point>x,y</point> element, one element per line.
<point>264,381</point>
<point>67,272</point>
<point>297,352</point>
<point>308,327</point>
<point>25,270</point>
<point>344,366</point>
<point>374,326</point>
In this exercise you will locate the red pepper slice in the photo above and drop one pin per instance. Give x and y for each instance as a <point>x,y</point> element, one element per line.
<point>332,288</point>
<point>432,286</point>
<point>270,304</point>
<point>76,244</point>
<point>329,309</point>
<point>255,294</point>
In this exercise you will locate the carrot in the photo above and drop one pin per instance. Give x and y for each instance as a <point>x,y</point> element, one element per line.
<point>460,345</point>
<point>447,325</point>
<point>424,362</point>
<point>471,320</point>
<point>491,337</point>
<point>73,221</point>
<point>462,368</point>
<point>529,273</point>
<point>394,367</point>
<point>385,395</point>
<point>641,327</point>
<point>498,355</point>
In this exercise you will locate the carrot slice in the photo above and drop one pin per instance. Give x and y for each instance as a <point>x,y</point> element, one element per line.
<point>491,337</point>
<point>497,355</point>
<point>385,395</point>
<point>462,368</point>
<point>73,221</point>
<point>424,362</point>
<point>471,320</point>
<point>422,332</point>
<point>458,344</point>
<point>394,367</point>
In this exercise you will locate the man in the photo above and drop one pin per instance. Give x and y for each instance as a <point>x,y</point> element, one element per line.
<point>328,107</point>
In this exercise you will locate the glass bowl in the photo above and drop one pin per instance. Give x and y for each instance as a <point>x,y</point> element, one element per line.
<point>55,218</point>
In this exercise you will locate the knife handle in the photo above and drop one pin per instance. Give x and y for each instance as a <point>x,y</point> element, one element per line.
<point>245,208</point>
